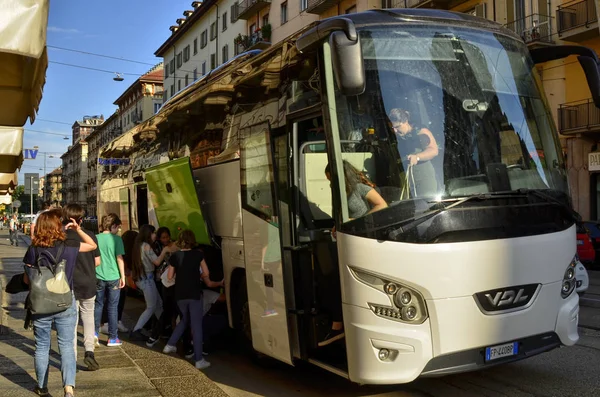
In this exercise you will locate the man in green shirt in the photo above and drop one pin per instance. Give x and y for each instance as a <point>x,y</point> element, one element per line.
<point>110,275</point>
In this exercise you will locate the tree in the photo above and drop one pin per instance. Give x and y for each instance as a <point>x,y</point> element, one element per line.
<point>19,191</point>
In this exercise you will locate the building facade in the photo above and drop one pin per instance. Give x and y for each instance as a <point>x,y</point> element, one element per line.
<point>74,162</point>
<point>203,39</point>
<point>53,187</point>
<point>105,133</point>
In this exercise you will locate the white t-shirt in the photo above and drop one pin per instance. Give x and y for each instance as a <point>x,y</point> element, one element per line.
<point>36,216</point>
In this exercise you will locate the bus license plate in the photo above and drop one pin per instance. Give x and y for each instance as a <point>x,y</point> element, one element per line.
<point>507,350</point>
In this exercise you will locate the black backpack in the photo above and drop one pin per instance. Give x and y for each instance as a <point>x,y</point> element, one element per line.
<point>49,290</point>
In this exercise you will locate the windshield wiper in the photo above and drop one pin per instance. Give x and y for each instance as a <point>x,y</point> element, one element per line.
<point>446,204</point>
<point>442,206</point>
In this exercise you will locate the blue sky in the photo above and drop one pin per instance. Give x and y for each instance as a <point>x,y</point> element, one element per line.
<point>130,29</point>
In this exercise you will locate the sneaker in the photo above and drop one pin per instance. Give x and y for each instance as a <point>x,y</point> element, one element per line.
<point>41,391</point>
<point>104,329</point>
<point>137,336</point>
<point>169,349</point>
<point>96,341</point>
<point>114,342</point>
<point>122,327</point>
<point>189,353</point>
<point>332,336</point>
<point>269,313</point>
<point>151,342</point>
<point>91,362</point>
<point>202,364</point>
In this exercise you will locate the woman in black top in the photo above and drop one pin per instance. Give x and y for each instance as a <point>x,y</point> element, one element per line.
<point>416,146</point>
<point>192,274</point>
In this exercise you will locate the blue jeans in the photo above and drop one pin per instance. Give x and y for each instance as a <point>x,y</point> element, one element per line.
<point>111,290</point>
<point>192,311</point>
<point>153,301</point>
<point>65,323</point>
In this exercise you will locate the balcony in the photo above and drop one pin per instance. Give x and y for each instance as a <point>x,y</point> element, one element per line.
<point>320,6</point>
<point>577,20</point>
<point>438,4</point>
<point>535,29</point>
<point>578,117</point>
<point>249,8</point>
<point>254,41</point>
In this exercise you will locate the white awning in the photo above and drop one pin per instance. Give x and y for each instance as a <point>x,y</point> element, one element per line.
<point>8,181</point>
<point>11,148</point>
<point>23,59</point>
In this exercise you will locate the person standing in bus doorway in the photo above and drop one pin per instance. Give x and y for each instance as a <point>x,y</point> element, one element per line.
<point>191,274</point>
<point>110,275</point>
<point>14,230</point>
<point>416,146</point>
<point>84,284</point>
<point>144,263</point>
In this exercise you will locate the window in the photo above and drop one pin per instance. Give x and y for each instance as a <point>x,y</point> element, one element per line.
<point>186,80</point>
<point>234,12</point>
<point>204,39</point>
<point>195,74</point>
<point>284,11</point>
<point>265,19</point>
<point>236,49</point>
<point>172,65</point>
<point>195,46</point>
<point>303,5</point>
<point>166,71</point>
<point>224,19</point>
<point>179,60</point>
<point>203,68</point>
<point>186,54</point>
<point>225,55</point>
<point>179,85</point>
<point>213,61</point>
<point>213,31</point>
<point>386,4</point>
<point>156,107</point>
<point>351,10</point>
<point>252,29</point>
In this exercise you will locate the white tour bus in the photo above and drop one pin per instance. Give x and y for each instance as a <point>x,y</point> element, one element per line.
<point>454,245</point>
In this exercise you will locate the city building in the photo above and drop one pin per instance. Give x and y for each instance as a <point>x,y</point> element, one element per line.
<point>105,133</point>
<point>74,161</point>
<point>206,37</point>
<point>142,99</point>
<point>52,186</point>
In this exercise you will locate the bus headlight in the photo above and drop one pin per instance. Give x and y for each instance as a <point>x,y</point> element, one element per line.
<point>568,282</point>
<point>406,304</point>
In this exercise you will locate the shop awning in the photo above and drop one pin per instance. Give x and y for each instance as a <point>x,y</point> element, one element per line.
<point>11,148</point>
<point>23,59</point>
<point>118,145</point>
<point>8,182</point>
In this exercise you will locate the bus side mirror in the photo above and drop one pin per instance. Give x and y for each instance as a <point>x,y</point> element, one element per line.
<point>592,74</point>
<point>348,66</point>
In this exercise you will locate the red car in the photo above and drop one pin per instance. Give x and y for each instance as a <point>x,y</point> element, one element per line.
<point>585,248</point>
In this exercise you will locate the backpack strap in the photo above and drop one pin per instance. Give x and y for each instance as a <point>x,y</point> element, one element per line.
<point>56,259</point>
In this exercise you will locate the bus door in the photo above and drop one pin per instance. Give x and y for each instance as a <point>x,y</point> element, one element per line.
<point>261,151</point>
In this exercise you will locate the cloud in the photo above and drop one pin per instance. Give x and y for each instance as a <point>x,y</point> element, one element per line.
<point>61,30</point>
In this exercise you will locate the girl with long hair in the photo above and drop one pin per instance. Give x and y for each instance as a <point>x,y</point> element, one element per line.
<point>192,275</point>
<point>49,241</point>
<point>143,264</point>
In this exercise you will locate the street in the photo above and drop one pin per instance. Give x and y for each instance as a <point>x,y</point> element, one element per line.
<point>134,370</point>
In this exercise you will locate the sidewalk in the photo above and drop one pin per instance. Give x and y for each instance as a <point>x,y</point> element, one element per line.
<point>130,370</point>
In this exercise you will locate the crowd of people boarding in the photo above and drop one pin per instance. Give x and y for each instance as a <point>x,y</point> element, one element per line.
<point>173,277</point>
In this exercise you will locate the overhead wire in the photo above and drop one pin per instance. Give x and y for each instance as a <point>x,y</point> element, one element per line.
<point>46,132</point>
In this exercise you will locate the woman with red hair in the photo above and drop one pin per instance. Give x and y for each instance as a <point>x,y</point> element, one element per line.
<point>48,241</point>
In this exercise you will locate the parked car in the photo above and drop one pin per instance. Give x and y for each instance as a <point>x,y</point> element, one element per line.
<point>593,229</point>
<point>585,248</point>
<point>582,278</point>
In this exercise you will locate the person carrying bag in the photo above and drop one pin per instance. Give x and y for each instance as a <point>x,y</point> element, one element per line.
<point>50,292</point>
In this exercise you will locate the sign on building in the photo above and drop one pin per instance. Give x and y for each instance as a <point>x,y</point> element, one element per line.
<point>594,161</point>
<point>32,180</point>
<point>30,154</point>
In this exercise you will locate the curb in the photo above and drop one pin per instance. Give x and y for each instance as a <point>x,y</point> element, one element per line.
<point>589,302</point>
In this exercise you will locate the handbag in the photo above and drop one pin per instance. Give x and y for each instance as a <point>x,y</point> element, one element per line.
<point>50,292</point>
<point>405,195</point>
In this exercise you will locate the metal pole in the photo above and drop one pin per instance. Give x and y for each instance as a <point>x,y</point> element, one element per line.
<point>31,194</point>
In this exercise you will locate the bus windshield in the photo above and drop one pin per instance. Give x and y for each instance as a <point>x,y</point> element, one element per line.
<point>448,112</point>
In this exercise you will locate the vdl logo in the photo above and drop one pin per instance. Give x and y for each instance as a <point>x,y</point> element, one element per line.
<point>501,299</point>
<point>30,154</point>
